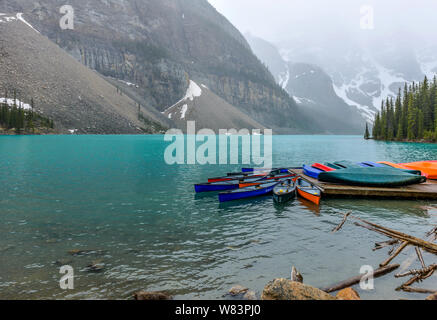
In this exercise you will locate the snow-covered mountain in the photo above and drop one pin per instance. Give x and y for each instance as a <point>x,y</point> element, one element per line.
<point>312,89</point>
<point>366,72</point>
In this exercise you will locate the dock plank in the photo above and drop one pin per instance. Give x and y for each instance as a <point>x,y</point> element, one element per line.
<point>427,190</point>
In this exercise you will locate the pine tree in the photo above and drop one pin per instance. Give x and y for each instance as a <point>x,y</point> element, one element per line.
<point>367,133</point>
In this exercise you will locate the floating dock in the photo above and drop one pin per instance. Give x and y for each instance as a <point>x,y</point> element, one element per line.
<point>427,190</point>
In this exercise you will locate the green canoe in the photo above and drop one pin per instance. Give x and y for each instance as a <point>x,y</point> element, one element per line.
<point>346,164</point>
<point>372,177</point>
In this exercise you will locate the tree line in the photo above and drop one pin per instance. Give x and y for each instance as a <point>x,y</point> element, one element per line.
<point>20,119</point>
<point>411,116</point>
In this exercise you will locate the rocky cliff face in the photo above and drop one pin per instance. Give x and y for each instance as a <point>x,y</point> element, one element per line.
<point>78,99</point>
<point>158,45</point>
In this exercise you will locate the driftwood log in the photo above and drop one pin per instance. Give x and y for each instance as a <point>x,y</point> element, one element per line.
<point>418,290</point>
<point>395,254</point>
<point>419,255</point>
<point>428,246</point>
<point>342,223</point>
<point>432,234</point>
<point>425,271</point>
<point>418,275</point>
<point>381,245</point>
<point>355,280</point>
<point>411,259</point>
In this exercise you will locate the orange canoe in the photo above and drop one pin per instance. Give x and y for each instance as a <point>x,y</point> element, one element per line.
<point>393,165</point>
<point>308,191</point>
<point>428,168</point>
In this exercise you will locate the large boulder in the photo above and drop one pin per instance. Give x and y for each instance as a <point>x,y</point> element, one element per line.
<point>284,289</point>
<point>348,294</point>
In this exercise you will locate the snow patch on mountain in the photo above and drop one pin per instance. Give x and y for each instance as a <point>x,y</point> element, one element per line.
<point>365,111</point>
<point>384,83</point>
<point>284,77</point>
<point>182,106</point>
<point>184,111</point>
<point>20,17</point>
<point>129,84</point>
<point>193,91</point>
<point>17,103</point>
<point>387,78</point>
<point>301,100</point>
<point>5,18</point>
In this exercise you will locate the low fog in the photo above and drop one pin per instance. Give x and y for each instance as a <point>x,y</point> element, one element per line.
<point>320,21</point>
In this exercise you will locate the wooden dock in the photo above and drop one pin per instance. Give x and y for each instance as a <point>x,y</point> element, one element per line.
<point>427,190</point>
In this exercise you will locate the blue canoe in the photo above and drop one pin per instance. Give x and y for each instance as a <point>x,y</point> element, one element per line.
<point>350,164</point>
<point>251,170</point>
<point>248,192</point>
<point>222,185</point>
<point>372,164</point>
<point>311,172</point>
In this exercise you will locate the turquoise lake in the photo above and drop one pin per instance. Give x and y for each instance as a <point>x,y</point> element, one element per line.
<point>117,198</point>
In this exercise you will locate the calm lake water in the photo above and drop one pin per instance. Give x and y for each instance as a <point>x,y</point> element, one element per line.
<point>115,196</point>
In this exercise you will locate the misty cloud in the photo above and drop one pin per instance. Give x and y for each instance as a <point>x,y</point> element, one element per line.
<point>282,20</point>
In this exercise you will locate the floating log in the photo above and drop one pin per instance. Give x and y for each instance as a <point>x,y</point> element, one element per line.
<point>418,290</point>
<point>432,233</point>
<point>395,254</point>
<point>431,247</point>
<point>410,260</point>
<point>419,275</point>
<point>353,281</point>
<point>380,245</point>
<point>419,255</point>
<point>342,223</point>
<point>423,272</point>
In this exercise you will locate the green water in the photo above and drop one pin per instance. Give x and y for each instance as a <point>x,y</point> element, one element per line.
<point>116,196</point>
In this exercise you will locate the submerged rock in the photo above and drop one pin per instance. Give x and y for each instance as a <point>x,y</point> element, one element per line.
<point>63,262</point>
<point>237,290</point>
<point>348,294</point>
<point>432,297</point>
<point>80,252</point>
<point>250,295</point>
<point>96,266</point>
<point>152,295</point>
<point>284,289</point>
<point>7,248</point>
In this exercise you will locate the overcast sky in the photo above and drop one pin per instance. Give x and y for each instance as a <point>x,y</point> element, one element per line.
<point>279,20</point>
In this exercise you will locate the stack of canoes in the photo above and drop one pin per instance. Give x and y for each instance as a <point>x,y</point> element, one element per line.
<point>285,185</point>
<point>233,181</point>
<point>381,174</point>
<point>251,183</point>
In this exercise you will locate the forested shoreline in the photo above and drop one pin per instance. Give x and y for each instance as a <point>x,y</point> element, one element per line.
<point>18,118</point>
<point>411,116</point>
